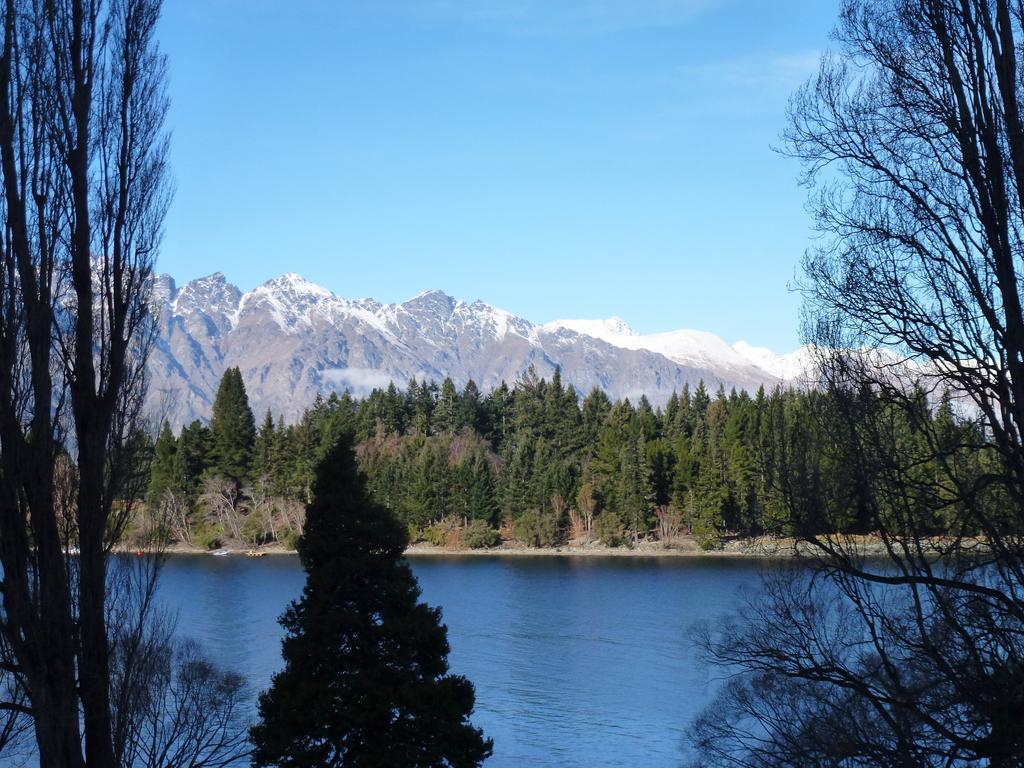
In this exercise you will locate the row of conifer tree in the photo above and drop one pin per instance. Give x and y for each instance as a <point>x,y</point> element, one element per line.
<point>532,462</point>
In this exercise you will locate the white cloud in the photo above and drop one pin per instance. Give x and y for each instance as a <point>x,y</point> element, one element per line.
<point>359,380</point>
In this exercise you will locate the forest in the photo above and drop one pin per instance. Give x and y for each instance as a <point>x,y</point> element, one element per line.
<point>536,464</point>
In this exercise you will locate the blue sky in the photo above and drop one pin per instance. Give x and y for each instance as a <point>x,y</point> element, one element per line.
<point>555,158</point>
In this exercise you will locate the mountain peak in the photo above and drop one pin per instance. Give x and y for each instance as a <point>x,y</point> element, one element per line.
<point>294,283</point>
<point>164,289</point>
<point>434,294</point>
<point>213,281</point>
<point>211,295</point>
<point>434,300</point>
<point>437,292</point>
<point>291,300</point>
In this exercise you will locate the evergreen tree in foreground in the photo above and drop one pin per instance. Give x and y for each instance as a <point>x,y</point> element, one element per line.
<point>366,680</point>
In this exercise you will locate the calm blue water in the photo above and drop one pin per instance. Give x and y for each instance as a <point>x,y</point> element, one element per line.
<point>576,661</point>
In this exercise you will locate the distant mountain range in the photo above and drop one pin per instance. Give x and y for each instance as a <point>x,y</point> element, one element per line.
<point>293,339</point>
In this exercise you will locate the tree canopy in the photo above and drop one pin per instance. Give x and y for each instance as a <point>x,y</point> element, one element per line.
<point>517,459</point>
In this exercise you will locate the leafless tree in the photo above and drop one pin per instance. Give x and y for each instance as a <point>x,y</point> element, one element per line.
<point>577,527</point>
<point>171,704</point>
<point>670,523</point>
<point>193,714</point>
<point>65,491</point>
<point>16,742</point>
<point>559,507</point>
<point>263,510</point>
<point>291,516</point>
<point>83,194</point>
<point>912,136</point>
<point>223,503</point>
<point>175,509</point>
<point>586,503</point>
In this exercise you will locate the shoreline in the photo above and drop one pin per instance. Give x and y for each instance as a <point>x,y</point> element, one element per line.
<point>685,548</point>
<point>429,550</point>
<point>757,548</point>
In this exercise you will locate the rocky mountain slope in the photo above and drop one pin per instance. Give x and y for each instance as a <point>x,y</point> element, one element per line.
<point>292,339</point>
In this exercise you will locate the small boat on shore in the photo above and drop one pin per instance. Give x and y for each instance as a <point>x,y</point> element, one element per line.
<point>254,553</point>
<point>219,553</point>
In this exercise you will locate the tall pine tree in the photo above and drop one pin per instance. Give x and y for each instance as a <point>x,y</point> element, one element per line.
<point>162,476</point>
<point>264,448</point>
<point>233,428</point>
<point>365,682</point>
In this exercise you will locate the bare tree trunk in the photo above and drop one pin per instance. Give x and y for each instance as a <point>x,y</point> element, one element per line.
<point>82,159</point>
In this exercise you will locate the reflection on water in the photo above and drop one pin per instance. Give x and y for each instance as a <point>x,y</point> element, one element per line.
<point>576,661</point>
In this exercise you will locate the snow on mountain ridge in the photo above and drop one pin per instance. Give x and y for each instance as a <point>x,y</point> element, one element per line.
<point>792,367</point>
<point>206,300</point>
<point>164,290</point>
<point>292,339</point>
<point>682,346</point>
<point>501,322</point>
<point>213,295</point>
<point>609,329</point>
<point>293,300</point>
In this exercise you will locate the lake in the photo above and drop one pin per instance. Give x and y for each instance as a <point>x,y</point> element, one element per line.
<point>576,661</point>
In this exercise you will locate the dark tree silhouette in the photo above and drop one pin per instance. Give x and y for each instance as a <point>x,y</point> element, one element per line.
<point>172,704</point>
<point>83,194</point>
<point>366,679</point>
<point>912,138</point>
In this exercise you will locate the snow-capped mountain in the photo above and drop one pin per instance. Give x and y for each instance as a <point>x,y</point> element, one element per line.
<point>793,368</point>
<point>293,339</point>
<point>698,349</point>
